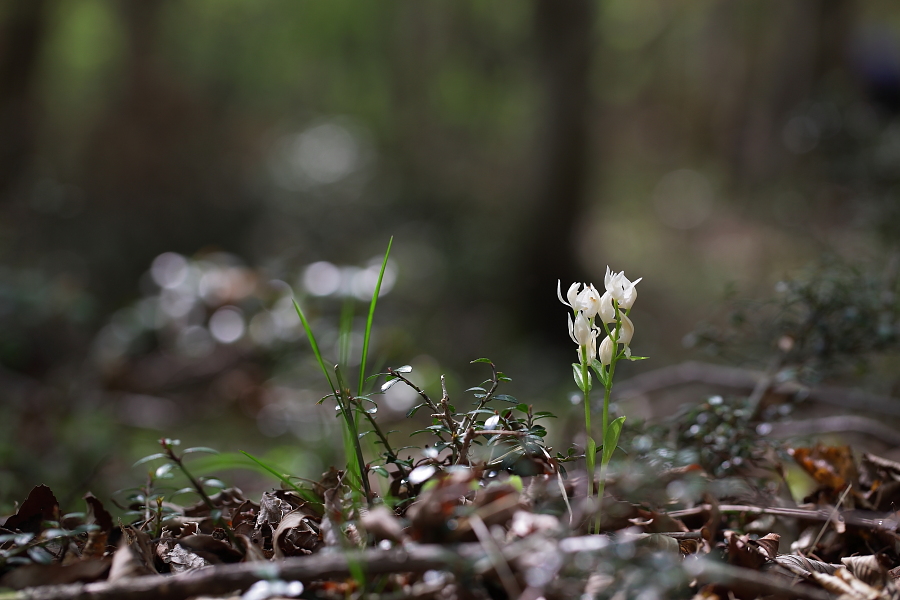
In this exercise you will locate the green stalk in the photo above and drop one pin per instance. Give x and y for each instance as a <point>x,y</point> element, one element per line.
<point>604,461</point>
<point>590,452</point>
<point>352,445</point>
<point>315,345</point>
<point>365,348</point>
<point>607,439</point>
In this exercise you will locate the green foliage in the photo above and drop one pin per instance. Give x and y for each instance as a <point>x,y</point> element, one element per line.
<point>829,319</point>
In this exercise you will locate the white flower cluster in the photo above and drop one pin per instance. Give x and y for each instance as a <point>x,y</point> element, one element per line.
<point>587,304</point>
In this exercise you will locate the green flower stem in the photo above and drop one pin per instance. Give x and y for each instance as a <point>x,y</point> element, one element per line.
<point>601,484</point>
<point>604,461</point>
<point>590,454</point>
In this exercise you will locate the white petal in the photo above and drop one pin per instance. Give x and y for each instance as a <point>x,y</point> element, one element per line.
<point>572,294</point>
<point>607,311</point>
<point>626,332</point>
<point>606,351</point>
<point>559,293</point>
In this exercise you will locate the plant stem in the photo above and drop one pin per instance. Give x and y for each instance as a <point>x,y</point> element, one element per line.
<point>392,456</point>
<point>354,434</point>
<point>601,485</point>
<point>198,487</point>
<point>590,455</point>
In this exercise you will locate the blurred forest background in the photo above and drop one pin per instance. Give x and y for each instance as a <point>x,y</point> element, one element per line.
<point>173,172</point>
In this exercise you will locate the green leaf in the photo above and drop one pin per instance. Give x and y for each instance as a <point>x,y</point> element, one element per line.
<point>577,373</point>
<point>313,343</point>
<point>505,398</point>
<point>600,370</point>
<point>481,411</point>
<point>389,384</point>
<point>345,328</point>
<point>40,556</point>
<point>149,458</point>
<point>49,534</point>
<point>303,493</point>
<point>368,333</point>
<point>638,357</point>
<point>590,454</point>
<point>184,490</point>
<point>201,449</point>
<point>413,410</point>
<point>381,471</point>
<point>339,374</point>
<point>480,360</point>
<point>611,439</point>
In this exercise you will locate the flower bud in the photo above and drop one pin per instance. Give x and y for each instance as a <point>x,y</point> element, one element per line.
<point>581,331</point>
<point>607,311</point>
<point>626,331</point>
<point>606,351</point>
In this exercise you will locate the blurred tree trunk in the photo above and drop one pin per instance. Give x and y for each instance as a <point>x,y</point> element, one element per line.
<point>20,41</point>
<point>563,33</point>
<point>780,58</point>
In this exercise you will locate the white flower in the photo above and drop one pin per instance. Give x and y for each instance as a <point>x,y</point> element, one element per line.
<point>581,331</point>
<point>588,301</point>
<point>571,295</point>
<point>622,290</point>
<point>607,311</point>
<point>606,351</point>
<point>626,331</point>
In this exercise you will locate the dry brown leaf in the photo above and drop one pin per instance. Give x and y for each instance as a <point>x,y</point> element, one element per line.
<point>213,550</point>
<point>35,575</point>
<point>871,569</point>
<point>381,523</point>
<point>803,566</point>
<point>831,466</point>
<point>752,554</point>
<point>40,505</point>
<point>768,545</point>
<point>296,535</point>
<point>133,558</point>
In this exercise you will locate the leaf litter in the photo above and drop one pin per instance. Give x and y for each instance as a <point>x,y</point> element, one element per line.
<point>471,532</point>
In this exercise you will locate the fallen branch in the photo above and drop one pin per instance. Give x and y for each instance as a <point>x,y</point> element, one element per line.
<point>746,380</point>
<point>751,583</point>
<point>223,579</point>
<point>855,518</point>
<point>846,423</point>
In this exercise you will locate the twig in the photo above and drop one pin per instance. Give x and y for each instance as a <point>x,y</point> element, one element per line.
<point>752,583</point>
<point>495,556</point>
<point>222,579</point>
<point>435,409</point>
<point>848,423</point>
<point>855,518</point>
<point>466,430</point>
<point>831,517</point>
<point>746,379</point>
<point>392,456</point>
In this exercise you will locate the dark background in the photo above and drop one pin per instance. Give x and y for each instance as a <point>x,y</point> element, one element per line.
<point>170,170</point>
